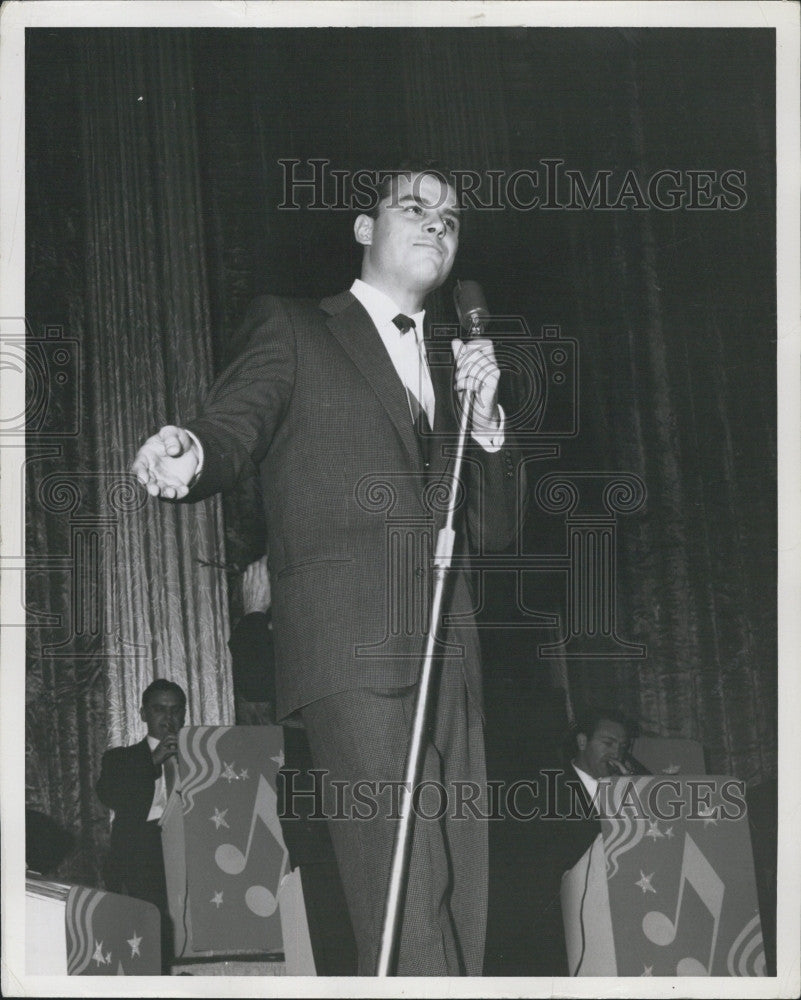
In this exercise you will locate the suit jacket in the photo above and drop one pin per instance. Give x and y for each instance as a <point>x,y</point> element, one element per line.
<point>525,932</point>
<point>570,836</point>
<point>315,402</point>
<point>126,785</point>
<point>253,668</point>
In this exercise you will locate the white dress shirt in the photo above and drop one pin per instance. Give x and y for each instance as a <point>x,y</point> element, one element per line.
<point>592,786</point>
<point>407,351</point>
<point>159,803</point>
<point>409,356</point>
<point>590,783</point>
<point>160,796</point>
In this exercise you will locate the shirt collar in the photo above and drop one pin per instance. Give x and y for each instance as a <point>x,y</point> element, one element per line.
<point>590,783</point>
<point>381,308</point>
<point>152,742</point>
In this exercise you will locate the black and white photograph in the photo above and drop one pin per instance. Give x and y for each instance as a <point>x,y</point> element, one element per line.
<point>400,499</point>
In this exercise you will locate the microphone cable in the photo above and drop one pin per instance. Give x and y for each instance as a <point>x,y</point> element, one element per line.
<point>581,909</point>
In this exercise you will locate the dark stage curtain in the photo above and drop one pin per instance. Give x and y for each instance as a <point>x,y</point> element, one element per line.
<point>675,317</point>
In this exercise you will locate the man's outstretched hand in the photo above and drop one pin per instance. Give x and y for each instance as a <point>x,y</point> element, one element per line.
<point>167,463</point>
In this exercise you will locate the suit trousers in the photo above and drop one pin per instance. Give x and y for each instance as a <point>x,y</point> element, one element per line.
<point>360,740</point>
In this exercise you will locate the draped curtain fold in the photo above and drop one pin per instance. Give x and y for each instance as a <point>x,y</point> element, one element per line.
<point>149,330</point>
<point>686,399</point>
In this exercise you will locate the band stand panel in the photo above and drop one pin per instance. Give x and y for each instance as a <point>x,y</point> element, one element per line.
<point>671,891</point>
<point>230,890</point>
<point>76,930</point>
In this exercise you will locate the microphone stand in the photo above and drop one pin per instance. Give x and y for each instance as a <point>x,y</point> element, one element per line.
<point>390,929</point>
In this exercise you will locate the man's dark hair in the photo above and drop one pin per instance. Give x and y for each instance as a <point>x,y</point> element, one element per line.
<point>405,169</point>
<point>162,684</point>
<point>587,722</point>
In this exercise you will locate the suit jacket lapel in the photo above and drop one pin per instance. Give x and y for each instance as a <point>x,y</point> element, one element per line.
<point>353,328</point>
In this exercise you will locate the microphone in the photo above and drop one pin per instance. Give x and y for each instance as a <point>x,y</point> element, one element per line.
<point>471,307</point>
<point>637,766</point>
<point>628,765</point>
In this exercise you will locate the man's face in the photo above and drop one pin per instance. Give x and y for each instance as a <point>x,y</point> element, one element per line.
<point>608,742</point>
<point>413,241</point>
<point>163,714</point>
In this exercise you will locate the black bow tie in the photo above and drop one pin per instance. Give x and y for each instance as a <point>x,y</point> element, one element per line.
<point>404,323</point>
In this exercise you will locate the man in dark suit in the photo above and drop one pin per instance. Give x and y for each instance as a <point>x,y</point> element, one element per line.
<point>331,400</point>
<point>594,749</point>
<point>133,783</point>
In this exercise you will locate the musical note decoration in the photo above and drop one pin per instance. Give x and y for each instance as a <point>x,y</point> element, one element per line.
<point>231,860</point>
<point>685,903</point>
<point>661,929</point>
<point>235,853</point>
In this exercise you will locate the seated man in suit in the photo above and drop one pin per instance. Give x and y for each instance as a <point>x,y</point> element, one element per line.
<point>596,747</point>
<point>307,840</point>
<point>599,746</point>
<point>133,783</point>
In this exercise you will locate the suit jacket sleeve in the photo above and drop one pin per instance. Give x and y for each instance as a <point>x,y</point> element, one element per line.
<point>497,496</point>
<point>253,657</point>
<point>248,401</point>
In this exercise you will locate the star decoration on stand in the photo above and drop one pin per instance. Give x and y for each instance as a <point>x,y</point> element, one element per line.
<point>647,970</point>
<point>218,819</point>
<point>669,833</point>
<point>134,942</point>
<point>217,899</point>
<point>671,769</point>
<point>654,830</point>
<point>229,773</point>
<point>644,882</point>
<point>709,815</point>
<point>244,774</point>
<point>279,759</point>
<point>99,957</point>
